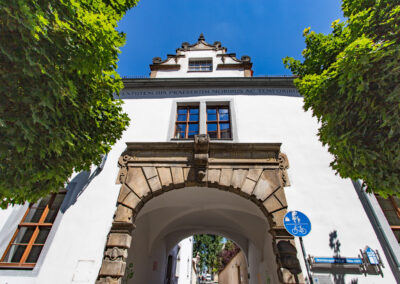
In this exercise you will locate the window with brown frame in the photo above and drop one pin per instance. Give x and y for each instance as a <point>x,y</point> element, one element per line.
<point>25,246</point>
<point>391,208</point>
<point>218,122</point>
<point>187,122</point>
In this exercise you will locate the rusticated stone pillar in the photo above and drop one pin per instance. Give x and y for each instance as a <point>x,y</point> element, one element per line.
<point>289,270</point>
<point>118,242</point>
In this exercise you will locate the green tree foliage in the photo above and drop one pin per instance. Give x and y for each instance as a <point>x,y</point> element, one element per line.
<point>208,247</point>
<point>58,78</point>
<point>350,79</point>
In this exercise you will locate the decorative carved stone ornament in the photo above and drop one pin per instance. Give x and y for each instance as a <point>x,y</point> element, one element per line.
<point>244,63</point>
<point>116,254</point>
<point>283,166</point>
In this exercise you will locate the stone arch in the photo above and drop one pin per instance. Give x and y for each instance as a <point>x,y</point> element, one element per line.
<point>255,171</point>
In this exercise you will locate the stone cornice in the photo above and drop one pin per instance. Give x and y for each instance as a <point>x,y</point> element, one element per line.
<point>216,153</point>
<point>216,146</point>
<point>210,82</point>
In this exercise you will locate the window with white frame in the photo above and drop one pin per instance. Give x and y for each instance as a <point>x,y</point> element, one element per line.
<point>200,65</point>
<point>218,122</point>
<point>213,118</point>
<point>187,122</point>
<point>25,246</point>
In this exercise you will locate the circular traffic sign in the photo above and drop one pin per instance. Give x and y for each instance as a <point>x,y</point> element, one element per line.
<point>297,224</point>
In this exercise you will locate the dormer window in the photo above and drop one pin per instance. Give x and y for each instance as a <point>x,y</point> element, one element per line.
<point>200,65</point>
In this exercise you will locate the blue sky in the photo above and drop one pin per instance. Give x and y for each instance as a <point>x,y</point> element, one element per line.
<point>266,30</point>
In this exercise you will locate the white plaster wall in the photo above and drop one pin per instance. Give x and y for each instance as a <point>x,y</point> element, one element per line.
<point>184,62</point>
<point>79,234</point>
<point>329,201</point>
<point>230,273</point>
<point>181,260</point>
<point>185,256</point>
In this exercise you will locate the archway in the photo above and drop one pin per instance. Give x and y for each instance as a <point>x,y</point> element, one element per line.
<point>255,172</point>
<point>167,219</point>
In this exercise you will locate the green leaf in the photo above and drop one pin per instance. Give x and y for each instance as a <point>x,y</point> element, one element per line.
<point>350,79</point>
<point>58,66</point>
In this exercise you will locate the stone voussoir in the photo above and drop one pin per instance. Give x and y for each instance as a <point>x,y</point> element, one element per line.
<point>277,217</point>
<point>267,184</point>
<point>137,181</point>
<point>238,178</point>
<point>273,204</point>
<point>127,197</point>
<point>214,176</point>
<point>177,176</point>
<point>123,214</point>
<point>281,196</point>
<point>165,176</point>
<point>226,177</point>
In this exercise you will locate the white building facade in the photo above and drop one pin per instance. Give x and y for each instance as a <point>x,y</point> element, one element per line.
<point>210,149</point>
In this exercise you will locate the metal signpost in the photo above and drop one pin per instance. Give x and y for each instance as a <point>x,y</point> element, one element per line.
<point>367,262</point>
<point>340,260</point>
<point>297,224</point>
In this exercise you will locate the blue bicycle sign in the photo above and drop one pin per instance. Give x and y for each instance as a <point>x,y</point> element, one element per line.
<point>297,224</point>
